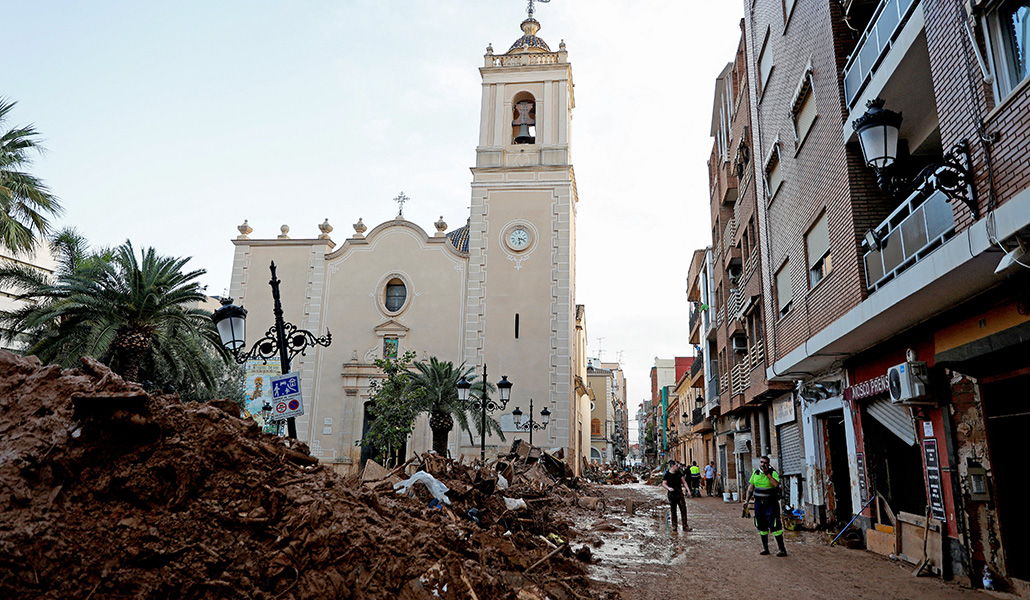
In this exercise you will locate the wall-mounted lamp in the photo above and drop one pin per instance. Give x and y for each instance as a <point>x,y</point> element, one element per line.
<point>877,132</point>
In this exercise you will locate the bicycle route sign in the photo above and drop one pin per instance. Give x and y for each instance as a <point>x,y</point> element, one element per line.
<point>286,398</point>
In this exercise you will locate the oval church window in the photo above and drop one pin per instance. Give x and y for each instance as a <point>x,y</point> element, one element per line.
<point>396,294</point>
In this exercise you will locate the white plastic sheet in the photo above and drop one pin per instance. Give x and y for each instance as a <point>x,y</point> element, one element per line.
<point>435,486</point>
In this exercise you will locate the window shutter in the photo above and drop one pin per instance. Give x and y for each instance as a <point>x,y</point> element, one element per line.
<point>805,116</point>
<point>774,175</point>
<point>784,293</point>
<point>765,63</point>
<point>818,241</point>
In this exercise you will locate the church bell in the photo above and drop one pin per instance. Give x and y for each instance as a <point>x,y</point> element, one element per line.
<point>524,136</point>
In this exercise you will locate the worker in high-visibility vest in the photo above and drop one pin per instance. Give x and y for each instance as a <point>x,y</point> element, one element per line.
<point>764,486</point>
<point>695,479</point>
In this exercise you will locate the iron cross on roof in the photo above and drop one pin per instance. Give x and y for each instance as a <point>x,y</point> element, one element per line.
<point>530,9</point>
<point>400,200</point>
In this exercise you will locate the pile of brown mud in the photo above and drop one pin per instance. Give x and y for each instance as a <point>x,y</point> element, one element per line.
<point>108,492</point>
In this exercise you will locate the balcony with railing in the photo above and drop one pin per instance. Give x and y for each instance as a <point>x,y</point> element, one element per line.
<point>695,319</point>
<point>698,365</point>
<point>888,21</point>
<point>914,230</point>
<point>733,303</point>
<point>729,233</point>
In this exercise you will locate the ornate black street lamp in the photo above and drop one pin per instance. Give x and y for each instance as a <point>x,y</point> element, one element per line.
<point>284,339</point>
<point>484,403</point>
<point>531,425</point>
<point>878,134</point>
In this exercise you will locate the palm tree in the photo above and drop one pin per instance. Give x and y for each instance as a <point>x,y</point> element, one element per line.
<point>438,379</point>
<point>132,313</point>
<point>25,201</point>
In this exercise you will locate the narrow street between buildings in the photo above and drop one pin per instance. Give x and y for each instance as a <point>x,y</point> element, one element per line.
<point>718,558</point>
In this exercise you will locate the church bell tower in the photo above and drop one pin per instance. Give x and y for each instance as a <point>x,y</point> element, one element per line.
<point>522,237</point>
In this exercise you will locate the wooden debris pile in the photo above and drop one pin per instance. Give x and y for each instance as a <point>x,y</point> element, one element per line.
<point>108,492</point>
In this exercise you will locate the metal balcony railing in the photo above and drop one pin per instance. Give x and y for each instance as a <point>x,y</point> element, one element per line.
<point>915,229</point>
<point>697,365</point>
<point>697,415</point>
<point>733,304</point>
<point>876,40</point>
<point>695,313</point>
<point>729,233</point>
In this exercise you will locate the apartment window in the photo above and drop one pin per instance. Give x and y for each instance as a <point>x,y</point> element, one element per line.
<point>820,261</point>
<point>595,427</point>
<point>803,110</point>
<point>784,292</point>
<point>765,65</point>
<point>773,171</point>
<point>1010,44</point>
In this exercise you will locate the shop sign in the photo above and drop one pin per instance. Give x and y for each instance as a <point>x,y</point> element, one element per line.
<point>867,388</point>
<point>783,410</point>
<point>861,477</point>
<point>933,479</point>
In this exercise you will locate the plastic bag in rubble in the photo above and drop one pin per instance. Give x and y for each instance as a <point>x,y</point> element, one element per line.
<point>502,483</point>
<point>434,485</point>
<point>515,504</point>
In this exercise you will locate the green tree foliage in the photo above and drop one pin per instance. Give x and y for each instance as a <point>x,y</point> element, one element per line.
<point>134,313</point>
<point>395,404</point>
<point>25,202</point>
<point>438,381</point>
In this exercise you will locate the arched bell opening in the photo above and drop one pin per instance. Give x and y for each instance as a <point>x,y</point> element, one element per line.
<point>523,124</point>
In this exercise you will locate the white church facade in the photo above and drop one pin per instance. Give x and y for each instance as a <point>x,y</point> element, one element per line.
<point>498,291</point>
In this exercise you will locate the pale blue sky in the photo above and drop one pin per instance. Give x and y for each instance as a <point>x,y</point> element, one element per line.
<point>170,123</point>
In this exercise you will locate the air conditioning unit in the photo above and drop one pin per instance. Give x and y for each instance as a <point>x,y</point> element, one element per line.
<point>739,344</point>
<point>908,382</point>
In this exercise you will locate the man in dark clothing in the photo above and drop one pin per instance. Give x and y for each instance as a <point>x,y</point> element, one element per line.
<point>765,487</point>
<point>673,484</point>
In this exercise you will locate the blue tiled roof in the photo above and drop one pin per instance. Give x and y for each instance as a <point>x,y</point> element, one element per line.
<point>460,238</point>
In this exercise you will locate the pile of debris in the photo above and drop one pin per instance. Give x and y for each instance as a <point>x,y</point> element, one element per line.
<point>107,491</point>
<point>526,491</point>
<point>610,474</point>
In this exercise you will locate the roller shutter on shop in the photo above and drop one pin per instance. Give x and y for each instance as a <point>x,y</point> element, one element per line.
<point>792,456</point>
<point>895,417</point>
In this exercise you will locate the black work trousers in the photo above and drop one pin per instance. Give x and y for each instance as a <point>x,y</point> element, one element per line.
<point>676,500</point>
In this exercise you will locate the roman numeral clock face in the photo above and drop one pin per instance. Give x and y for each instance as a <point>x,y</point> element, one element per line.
<point>518,239</point>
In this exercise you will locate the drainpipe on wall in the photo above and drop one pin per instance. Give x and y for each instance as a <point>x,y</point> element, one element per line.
<point>763,432</point>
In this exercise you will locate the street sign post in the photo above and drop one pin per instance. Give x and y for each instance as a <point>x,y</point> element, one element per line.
<point>286,397</point>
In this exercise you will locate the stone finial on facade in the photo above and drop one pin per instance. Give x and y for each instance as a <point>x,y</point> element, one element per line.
<point>285,235</point>
<point>354,356</point>
<point>245,231</point>
<point>490,48</point>
<point>359,229</point>
<point>441,227</point>
<point>326,229</point>
<point>561,45</point>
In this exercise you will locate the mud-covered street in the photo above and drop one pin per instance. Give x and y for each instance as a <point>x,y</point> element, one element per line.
<point>642,559</point>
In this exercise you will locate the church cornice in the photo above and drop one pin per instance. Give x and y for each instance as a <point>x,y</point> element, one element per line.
<point>378,230</point>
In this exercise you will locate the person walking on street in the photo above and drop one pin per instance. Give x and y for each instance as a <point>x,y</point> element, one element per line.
<point>695,479</point>
<point>709,477</point>
<point>673,484</point>
<point>765,487</point>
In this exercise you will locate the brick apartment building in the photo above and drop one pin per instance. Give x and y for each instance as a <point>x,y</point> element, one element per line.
<point>889,314</point>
